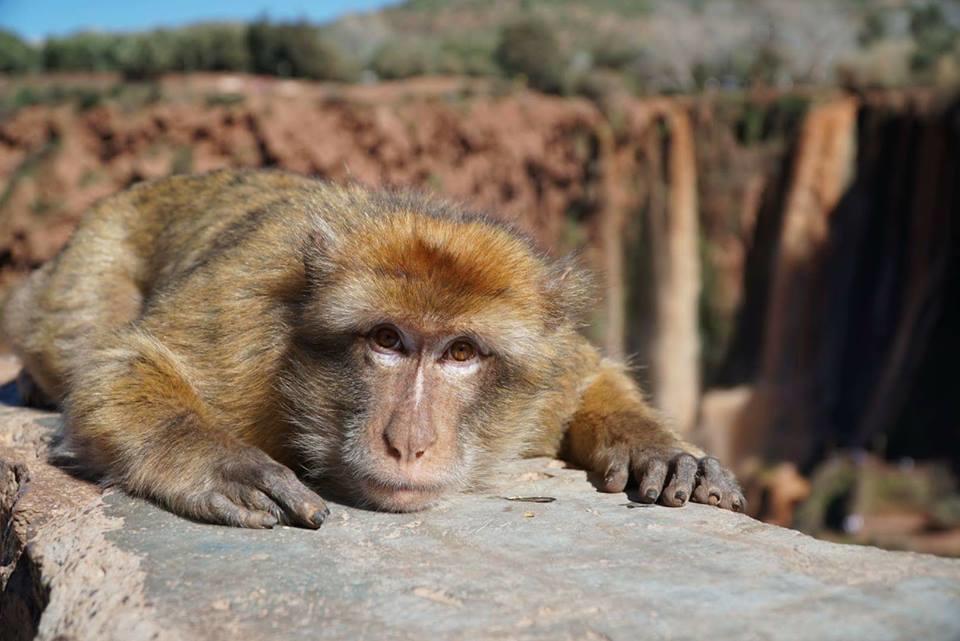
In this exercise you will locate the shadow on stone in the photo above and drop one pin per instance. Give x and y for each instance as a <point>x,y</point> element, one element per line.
<point>10,395</point>
<point>23,595</point>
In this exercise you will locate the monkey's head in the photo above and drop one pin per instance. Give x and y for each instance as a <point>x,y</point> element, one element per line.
<point>421,349</point>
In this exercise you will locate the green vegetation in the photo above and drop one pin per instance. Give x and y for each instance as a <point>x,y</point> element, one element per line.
<point>589,47</point>
<point>934,36</point>
<point>530,49</point>
<point>16,56</point>
<point>28,166</point>
<point>213,47</point>
<point>873,30</point>
<point>294,50</point>
<point>406,57</point>
<point>129,96</point>
<point>84,98</point>
<point>282,49</point>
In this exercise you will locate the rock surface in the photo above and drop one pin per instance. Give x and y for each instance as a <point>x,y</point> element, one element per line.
<point>79,564</point>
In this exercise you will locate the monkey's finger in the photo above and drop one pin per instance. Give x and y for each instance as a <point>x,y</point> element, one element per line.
<point>256,500</point>
<point>712,480</point>
<point>681,484</point>
<point>617,471</point>
<point>301,505</point>
<point>651,480</point>
<point>733,500</point>
<point>217,508</point>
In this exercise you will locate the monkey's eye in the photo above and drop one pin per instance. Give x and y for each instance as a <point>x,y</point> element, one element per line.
<point>462,350</point>
<point>387,338</point>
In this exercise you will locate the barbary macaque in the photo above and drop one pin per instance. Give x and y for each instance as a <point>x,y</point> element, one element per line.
<point>208,335</point>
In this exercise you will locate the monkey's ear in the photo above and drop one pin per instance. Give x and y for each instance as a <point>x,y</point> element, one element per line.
<point>568,291</point>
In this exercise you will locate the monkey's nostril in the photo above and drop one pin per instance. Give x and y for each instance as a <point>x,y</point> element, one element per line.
<point>391,450</point>
<point>405,451</point>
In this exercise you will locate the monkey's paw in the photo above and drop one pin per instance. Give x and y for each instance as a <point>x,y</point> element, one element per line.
<point>254,491</point>
<point>673,477</point>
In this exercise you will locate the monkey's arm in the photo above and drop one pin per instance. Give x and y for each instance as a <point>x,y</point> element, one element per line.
<point>615,434</point>
<point>133,413</point>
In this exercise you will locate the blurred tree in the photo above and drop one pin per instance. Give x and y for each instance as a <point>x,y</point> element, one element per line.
<point>530,48</point>
<point>933,36</point>
<point>767,65</point>
<point>406,57</point>
<point>873,29</point>
<point>294,50</point>
<point>615,51</point>
<point>16,55</point>
<point>147,55</point>
<point>212,47</point>
<point>471,55</point>
<point>83,52</point>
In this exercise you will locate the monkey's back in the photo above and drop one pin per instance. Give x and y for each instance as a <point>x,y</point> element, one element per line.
<point>193,245</point>
<point>179,225</point>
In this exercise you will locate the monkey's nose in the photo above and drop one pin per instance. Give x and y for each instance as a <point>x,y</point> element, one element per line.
<point>408,446</point>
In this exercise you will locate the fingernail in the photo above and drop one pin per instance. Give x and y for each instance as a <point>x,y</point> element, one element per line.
<point>652,494</point>
<point>714,499</point>
<point>737,506</point>
<point>680,496</point>
<point>320,516</point>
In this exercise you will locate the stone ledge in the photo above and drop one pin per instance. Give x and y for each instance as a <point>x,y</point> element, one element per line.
<point>79,564</point>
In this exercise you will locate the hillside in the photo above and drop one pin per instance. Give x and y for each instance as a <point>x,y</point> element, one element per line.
<point>566,47</point>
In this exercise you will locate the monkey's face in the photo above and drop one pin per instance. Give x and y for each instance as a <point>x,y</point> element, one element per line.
<point>424,343</point>
<point>422,387</point>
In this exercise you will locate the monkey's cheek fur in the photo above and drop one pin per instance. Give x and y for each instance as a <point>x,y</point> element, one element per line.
<point>400,499</point>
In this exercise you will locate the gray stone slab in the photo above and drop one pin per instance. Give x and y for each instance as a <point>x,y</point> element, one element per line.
<point>585,566</point>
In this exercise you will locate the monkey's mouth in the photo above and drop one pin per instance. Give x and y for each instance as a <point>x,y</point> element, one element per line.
<point>401,497</point>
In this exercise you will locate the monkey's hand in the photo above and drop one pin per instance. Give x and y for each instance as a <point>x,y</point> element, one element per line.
<point>248,489</point>
<point>616,436</point>
<point>670,476</point>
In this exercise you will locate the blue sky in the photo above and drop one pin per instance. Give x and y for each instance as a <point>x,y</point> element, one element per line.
<point>36,19</point>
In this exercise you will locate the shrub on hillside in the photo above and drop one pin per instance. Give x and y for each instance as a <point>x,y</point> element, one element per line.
<point>83,52</point>
<point>209,47</point>
<point>294,50</point>
<point>874,28</point>
<point>933,36</point>
<point>405,57</point>
<point>530,48</point>
<point>16,55</point>
<point>471,56</point>
<point>615,51</point>
<point>146,55</point>
<point>212,47</point>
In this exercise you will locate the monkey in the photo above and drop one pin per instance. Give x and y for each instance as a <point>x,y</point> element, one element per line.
<point>229,344</point>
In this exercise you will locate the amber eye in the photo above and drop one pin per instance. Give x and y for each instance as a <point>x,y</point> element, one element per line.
<point>462,351</point>
<point>387,338</point>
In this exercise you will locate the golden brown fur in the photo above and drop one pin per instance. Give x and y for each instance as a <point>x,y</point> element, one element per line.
<point>207,334</point>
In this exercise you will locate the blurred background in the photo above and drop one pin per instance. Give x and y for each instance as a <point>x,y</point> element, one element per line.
<point>768,190</point>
